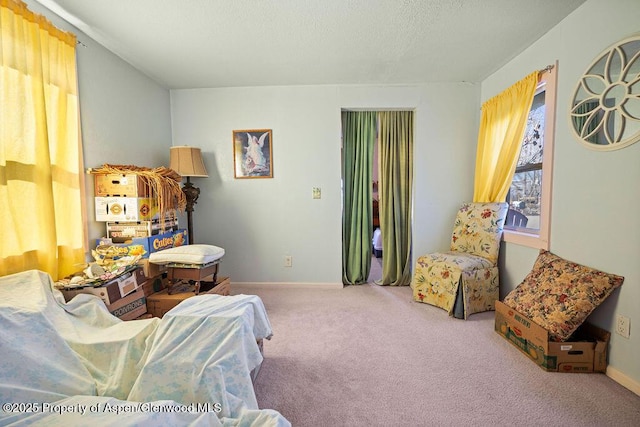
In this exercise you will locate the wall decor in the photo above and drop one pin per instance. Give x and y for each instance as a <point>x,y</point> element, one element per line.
<point>252,153</point>
<point>605,108</point>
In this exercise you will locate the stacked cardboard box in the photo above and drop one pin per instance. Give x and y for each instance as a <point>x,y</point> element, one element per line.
<point>155,284</point>
<point>130,307</point>
<point>123,296</point>
<point>152,270</point>
<point>112,290</point>
<point>145,246</point>
<point>122,231</point>
<point>121,185</point>
<point>161,302</point>
<point>129,206</point>
<point>125,208</point>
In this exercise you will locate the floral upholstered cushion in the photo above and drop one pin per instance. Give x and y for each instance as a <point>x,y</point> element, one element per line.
<point>559,295</point>
<point>478,228</point>
<point>439,277</point>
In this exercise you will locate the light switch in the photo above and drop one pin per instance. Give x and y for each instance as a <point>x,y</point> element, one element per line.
<point>317,193</point>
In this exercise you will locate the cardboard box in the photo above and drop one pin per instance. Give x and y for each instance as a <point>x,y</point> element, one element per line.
<point>586,351</point>
<point>152,270</point>
<point>161,302</point>
<point>155,284</point>
<point>111,291</point>
<point>144,246</point>
<point>125,208</point>
<point>170,239</point>
<point>122,185</point>
<point>130,307</point>
<point>121,231</point>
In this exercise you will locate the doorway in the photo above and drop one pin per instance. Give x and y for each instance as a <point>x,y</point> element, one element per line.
<point>377,169</point>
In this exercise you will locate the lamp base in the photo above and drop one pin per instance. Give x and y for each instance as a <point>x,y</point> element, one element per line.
<point>191,193</point>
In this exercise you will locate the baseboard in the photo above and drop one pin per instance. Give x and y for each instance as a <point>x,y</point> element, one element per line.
<point>623,380</point>
<point>310,285</point>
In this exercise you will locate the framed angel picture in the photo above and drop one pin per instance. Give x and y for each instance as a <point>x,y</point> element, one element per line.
<point>252,153</point>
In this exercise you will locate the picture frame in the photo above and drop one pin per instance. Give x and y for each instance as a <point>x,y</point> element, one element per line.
<point>253,153</point>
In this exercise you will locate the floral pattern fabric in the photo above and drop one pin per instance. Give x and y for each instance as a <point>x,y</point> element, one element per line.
<point>558,294</point>
<point>478,228</point>
<point>470,267</point>
<point>438,277</point>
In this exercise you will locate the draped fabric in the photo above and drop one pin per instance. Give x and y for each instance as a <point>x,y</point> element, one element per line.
<point>502,126</point>
<point>395,139</point>
<point>359,133</point>
<point>41,212</point>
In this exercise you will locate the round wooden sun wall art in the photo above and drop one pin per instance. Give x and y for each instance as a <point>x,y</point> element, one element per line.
<point>605,107</point>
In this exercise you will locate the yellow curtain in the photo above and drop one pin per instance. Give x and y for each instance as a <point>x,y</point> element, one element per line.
<point>41,182</point>
<point>502,126</point>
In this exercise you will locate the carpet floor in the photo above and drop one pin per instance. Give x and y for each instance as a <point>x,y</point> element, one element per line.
<point>370,356</point>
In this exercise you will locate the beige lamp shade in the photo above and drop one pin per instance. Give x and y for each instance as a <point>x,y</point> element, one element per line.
<point>187,161</point>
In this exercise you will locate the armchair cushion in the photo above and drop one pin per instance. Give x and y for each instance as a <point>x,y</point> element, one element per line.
<point>478,228</point>
<point>439,275</point>
<point>559,295</point>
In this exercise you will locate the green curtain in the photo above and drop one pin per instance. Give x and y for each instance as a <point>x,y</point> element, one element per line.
<point>395,139</point>
<point>358,139</point>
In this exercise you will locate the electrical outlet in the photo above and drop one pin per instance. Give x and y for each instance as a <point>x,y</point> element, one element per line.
<point>316,192</point>
<point>623,326</point>
<point>288,260</point>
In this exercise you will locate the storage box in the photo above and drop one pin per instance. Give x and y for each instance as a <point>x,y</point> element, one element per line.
<point>121,231</point>
<point>585,352</point>
<point>161,302</point>
<point>130,307</point>
<point>146,245</point>
<point>151,270</point>
<point>154,284</point>
<point>170,239</point>
<point>125,208</point>
<point>122,185</point>
<point>111,291</point>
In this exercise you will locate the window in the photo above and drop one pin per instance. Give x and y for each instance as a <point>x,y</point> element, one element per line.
<point>529,197</point>
<point>41,180</point>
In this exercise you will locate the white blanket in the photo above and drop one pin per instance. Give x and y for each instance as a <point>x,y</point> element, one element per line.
<point>197,358</point>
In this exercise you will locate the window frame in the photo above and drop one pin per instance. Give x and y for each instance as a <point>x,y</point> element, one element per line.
<point>541,238</point>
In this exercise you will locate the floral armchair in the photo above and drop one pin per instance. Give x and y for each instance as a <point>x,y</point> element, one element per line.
<point>464,280</point>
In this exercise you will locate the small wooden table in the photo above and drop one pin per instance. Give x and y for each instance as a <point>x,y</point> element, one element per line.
<point>195,272</point>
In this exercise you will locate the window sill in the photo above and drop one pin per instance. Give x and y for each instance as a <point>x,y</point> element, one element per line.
<point>532,240</point>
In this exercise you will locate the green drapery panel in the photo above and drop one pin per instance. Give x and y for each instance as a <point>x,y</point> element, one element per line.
<point>358,139</point>
<point>395,139</point>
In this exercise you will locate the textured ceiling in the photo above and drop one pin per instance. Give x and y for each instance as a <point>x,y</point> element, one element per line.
<point>226,43</point>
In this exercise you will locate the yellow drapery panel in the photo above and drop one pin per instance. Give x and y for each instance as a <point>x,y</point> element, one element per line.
<point>41,212</point>
<point>502,126</point>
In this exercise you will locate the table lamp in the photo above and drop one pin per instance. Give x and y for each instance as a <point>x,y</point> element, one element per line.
<point>187,162</point>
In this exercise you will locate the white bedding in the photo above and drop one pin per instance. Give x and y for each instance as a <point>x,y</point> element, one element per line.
<point>77,354</point>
